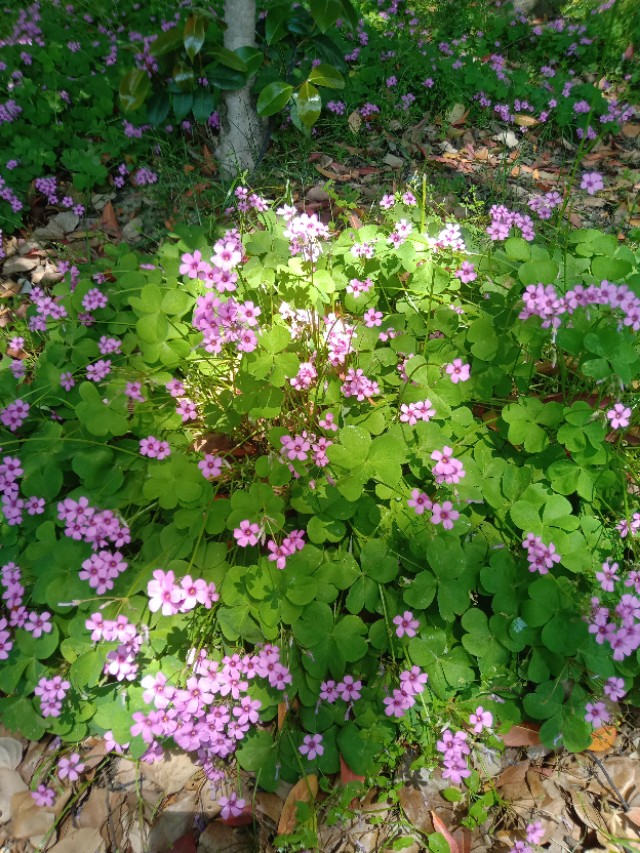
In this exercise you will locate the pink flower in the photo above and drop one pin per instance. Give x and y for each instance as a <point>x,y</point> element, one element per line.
<point>349,689</point>
<point>193,264</point>
<point>311,746</point>
<point>133,390</point>
<point>44,796</point>
<point>406,624</point>
<point>163,593</point>
<point>619,416</point>
<point>154,448</point>
<point>70,768</point>
<point>535,832</point>
<point>458,371</point>
<point>211,466</point>
<point>247,533</point>
<point>444,514</point>
<point>596,714</point>
<point>232,806</point>
<point>592,182</point>
<point>614,688</point>
<point>481,719</point>
<point>295,447</point>
<point>372,318</point>
<point>419,501</point>
<point>466,273</point>
<point>67,381</point>
<point>38,624</point>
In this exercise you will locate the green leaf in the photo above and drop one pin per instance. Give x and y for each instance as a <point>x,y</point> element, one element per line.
<point>230,59</point>
<point>86,670</point>
<point>275,339</point>
<point>134,88</point>
<point>325,12</point>
<point>252,58</point>
<point>326,75</point>
<point>421,591</point>
<point>183,78</point>
<point>152,328</point>
<point>576,733</point>
<point>182,104</point>
<point>438,843</point>
<point>203,104</point>
<point>258,754</point>
<point>517,248</point>
<point>166,42</point>
<point>376,563</point>
<point>350,13</point>
<point>225,78</point>
<point>276,24</point>
<point>193,36</point>
<point>540,271</point>
<point>358,748</point>
<point>273,98</point>
<point>308,103</point>
<point>158,108</point>
<point>545,701</point>
<point>611,269</point>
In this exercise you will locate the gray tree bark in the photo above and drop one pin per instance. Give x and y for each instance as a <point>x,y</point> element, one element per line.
<point>242,131</point>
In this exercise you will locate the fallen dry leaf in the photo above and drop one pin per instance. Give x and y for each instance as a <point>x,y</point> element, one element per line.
<point>526,121</point>
<point>109,220</point>
<point>80,841</point>
<point>525,734</point>
<point>441,827</point>
<point>303,791</point>
<point>603,739</point>
<point>633,814</point>
<point>10,747</point>
<point>355,121</point>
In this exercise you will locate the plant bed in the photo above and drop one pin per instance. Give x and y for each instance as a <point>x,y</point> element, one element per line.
<point>252,509</point>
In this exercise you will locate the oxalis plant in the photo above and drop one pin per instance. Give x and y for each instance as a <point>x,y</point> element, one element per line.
<point>306,496</point>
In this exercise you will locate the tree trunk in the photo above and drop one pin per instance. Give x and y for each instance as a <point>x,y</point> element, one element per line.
<point>241,129</point>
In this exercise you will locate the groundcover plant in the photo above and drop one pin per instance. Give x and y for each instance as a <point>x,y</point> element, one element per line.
<point>308,495</point>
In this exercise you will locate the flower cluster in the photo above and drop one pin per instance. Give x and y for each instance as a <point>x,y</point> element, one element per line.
<point>226,322</point>
<point>447,469</point>
<point>298,448</point>
<point>503,220</point>
<point>102,569</point>
<point>154,448</point>
<point>349,690</point>
<point>454,749</point>
<point>171,597</point>
<point>304,232</point>
<point>121,662</point>
<point>51,692</point>
<point>622,632</point>
<point>411,413</point>
<point>412,684</point>
<point>85,523</point>
<point>14,415</point>
<point>545,302</point>
<point>357,385</point>
<point>443,513</point>
<point>213,711</point>
<point>541,557</point>
<point>544,205</point>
